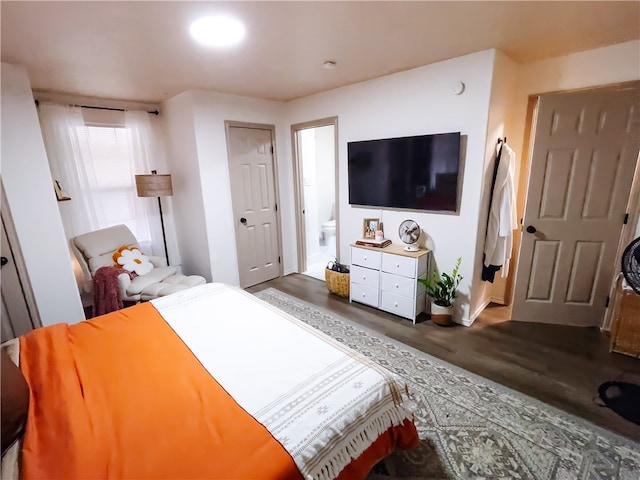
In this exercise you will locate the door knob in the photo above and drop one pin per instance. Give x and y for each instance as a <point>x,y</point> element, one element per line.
<point>531,229</point>
<point>243,220</point>
<point>3,261</point>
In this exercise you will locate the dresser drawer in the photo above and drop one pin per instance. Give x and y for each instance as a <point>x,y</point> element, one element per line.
<point>398,305</point>
<point>364,294</point>
<point>400,285</point>
<point>365,276</point>
<point>399,265</point>
<point>365,258</point>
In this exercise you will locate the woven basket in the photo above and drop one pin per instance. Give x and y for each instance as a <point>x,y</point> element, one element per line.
<point>337,282</point>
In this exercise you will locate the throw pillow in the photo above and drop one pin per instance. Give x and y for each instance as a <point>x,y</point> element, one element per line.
<point>132,260</point>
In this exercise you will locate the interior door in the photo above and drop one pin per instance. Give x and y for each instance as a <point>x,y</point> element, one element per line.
<point>16,317</point>
<point>583,160</point>
<point>253,191</point>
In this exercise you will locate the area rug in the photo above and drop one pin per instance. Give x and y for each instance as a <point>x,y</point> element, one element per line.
<point>470,427</point>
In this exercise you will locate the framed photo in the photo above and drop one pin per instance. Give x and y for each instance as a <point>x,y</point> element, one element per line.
<point>369,227</point>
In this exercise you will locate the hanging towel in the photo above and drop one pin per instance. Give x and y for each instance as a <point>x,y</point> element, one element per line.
<point>502,216</point>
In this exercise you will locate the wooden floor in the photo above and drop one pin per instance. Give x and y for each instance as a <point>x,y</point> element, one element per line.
<point>559,365</point>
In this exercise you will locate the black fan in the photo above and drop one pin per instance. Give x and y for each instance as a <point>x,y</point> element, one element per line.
<point>631,264</point>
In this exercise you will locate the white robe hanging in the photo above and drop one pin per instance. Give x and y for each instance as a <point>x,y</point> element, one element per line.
<point>502,216</point>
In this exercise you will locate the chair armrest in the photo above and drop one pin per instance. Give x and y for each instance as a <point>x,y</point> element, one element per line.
<point>124,280</point>
<point>158,261</point>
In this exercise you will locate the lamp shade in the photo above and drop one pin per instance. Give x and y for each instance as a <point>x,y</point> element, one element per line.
<point>154,185</point>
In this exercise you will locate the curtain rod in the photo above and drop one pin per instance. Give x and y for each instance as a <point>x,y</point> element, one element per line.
<point>152,112</point>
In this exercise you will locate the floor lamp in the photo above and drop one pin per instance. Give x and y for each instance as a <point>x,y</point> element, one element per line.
<point>155,185</point>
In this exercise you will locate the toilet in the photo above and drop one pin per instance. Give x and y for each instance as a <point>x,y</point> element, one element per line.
<point>328,230</point>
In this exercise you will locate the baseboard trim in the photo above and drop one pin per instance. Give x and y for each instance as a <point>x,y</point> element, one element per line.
<point>499,301</point>
<point>467,322</point>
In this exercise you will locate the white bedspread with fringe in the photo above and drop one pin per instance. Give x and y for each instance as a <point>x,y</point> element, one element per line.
<point>325,403</point>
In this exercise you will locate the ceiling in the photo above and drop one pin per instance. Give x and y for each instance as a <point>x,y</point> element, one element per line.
<point>142,51</point>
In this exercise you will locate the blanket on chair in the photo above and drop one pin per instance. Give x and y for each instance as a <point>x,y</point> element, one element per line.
<point>106,294</point>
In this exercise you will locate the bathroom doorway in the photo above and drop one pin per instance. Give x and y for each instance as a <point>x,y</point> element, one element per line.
<point>315,159</point>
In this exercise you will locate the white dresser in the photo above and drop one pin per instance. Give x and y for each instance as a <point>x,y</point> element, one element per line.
<point>386,278</point>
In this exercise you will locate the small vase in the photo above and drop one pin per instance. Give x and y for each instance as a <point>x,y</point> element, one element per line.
<point>441,316</point>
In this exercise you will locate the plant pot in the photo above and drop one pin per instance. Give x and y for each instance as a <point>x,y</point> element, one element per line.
<point>441,315</point>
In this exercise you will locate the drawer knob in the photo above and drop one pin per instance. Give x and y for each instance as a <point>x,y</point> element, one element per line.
<point>364,258</point>
<point>395,304</point>
<point>397,265</point>
<point>364,295</point>
<point>397,286</point>
<point>364,277</point>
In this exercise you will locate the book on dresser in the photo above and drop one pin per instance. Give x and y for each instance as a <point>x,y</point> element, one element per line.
<point>387,278</point>
<point>370,242</point>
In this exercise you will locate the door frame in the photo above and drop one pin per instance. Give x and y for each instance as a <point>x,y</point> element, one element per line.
<point>627,234</point>
<point>523,188</point>
<point>18,258</point>
<point>298,186</point>
<point>228,124</point>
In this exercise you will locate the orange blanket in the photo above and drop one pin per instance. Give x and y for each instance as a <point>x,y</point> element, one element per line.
<point>123,397</point>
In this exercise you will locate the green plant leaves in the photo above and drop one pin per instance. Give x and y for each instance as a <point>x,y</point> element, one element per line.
<point>443,288</point>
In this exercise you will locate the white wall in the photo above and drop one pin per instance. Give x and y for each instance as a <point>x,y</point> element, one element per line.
<point>408,103</point>
<point>503,89</point>
<point>415,102</point>
<point>28,185</point>
<point>187,199</point>
<point>204,214</point>
<point>601,66</point>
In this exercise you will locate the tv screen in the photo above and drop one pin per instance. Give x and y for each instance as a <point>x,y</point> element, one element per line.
<point>419,172</point>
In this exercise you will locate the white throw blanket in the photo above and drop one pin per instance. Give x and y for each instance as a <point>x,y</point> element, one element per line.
<point>325,403</point>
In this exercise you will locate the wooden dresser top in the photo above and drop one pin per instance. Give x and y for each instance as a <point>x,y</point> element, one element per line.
<point>394,249</point>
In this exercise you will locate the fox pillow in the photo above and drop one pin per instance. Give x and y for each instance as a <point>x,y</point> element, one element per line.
<point>132,260</point>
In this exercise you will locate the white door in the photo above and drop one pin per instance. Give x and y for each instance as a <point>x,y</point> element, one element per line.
<point>253,192</point>
<point>16,317</point>
<point>584,155</point>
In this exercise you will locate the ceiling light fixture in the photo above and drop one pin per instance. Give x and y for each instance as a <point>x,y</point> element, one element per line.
<point>217,31</point>
<point>329,65</point>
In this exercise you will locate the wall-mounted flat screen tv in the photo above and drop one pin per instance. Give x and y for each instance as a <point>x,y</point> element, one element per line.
<point>419,172</point>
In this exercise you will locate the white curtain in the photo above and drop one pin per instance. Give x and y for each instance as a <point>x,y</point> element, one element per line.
<point>143,153</point>
<point>71,164</point>
<point>96,166</point>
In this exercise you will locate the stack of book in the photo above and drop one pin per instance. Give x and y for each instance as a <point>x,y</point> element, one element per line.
<point>370,242</point>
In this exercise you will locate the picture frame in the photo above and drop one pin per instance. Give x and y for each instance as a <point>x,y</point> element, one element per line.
<point>370,226</point>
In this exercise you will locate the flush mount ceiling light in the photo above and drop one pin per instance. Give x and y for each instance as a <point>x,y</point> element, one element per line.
<point>217,31</point>
<point>329,65</point>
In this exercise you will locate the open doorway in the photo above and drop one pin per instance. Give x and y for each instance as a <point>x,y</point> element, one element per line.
<point>315,156</point>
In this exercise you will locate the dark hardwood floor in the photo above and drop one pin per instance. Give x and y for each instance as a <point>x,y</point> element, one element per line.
<point>559,365</point>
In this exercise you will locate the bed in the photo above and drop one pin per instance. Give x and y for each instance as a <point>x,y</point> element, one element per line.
<point>210,382</point>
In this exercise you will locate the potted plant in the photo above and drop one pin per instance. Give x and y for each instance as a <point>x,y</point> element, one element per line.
<point>443,290</point>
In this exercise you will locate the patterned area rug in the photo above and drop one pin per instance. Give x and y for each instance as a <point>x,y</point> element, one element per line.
<point>472,428</point>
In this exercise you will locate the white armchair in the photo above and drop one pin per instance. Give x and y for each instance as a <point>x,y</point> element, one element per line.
<point>95,250</point>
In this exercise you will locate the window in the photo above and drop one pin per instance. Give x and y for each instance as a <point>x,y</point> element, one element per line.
<point>113,188</point>
<point>95,154</point>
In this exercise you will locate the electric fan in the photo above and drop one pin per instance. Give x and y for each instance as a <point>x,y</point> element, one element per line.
<point>631,264</point>
<point>409,233</point>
